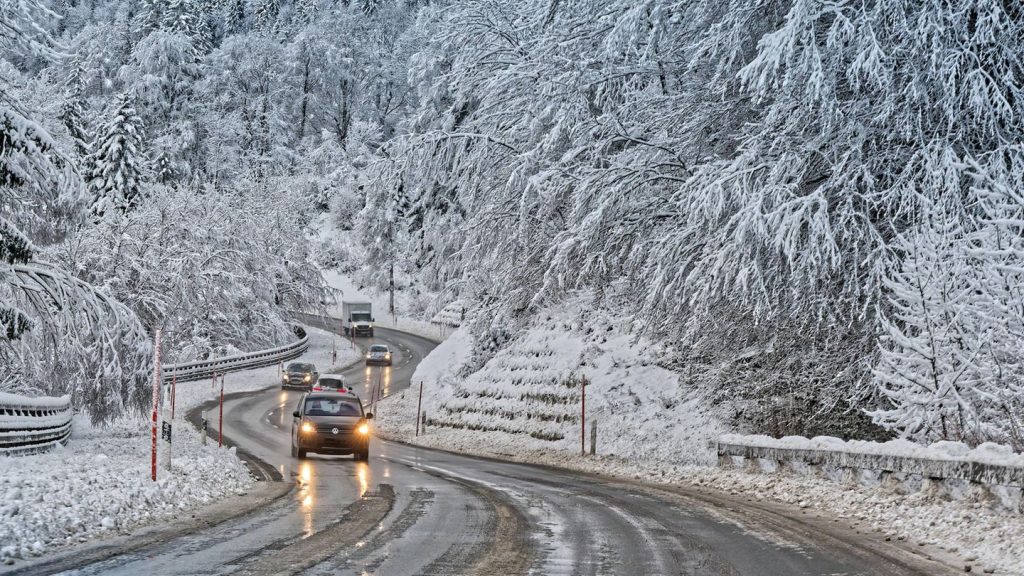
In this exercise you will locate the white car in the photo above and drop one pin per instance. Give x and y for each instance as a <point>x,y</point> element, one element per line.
<point>379,354</point>
<point>331,383</point>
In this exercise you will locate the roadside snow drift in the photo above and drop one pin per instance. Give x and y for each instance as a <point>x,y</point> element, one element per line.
<point>100,484</point>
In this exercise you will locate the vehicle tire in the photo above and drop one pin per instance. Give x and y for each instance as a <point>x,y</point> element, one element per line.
<point>371,333</point>
<point>301,454</point>
<point>362,456</point>
<point>294,452</point>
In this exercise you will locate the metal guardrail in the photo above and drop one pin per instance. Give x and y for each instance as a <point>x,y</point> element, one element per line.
<point>31,425</point>
<point>189,371</point>
<point>902,473</point>
<point>933,469</point>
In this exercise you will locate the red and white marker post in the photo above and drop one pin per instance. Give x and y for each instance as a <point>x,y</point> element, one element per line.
<point>419,404</point>
<point>174,388</point>
<point>156,393</point>
<point>583,416</point>
<point>220,439</point>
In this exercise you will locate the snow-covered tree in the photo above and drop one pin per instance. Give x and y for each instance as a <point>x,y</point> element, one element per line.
<point>73,115</point>
<point>118,161</point>
<point>59,335</point>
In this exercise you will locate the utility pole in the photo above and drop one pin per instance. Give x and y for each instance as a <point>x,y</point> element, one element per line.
<point>391,288</point>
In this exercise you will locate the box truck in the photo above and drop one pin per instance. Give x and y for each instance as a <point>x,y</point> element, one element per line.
<point>357,318</point>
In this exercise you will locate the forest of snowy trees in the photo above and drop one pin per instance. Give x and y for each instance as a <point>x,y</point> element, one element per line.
<point>818,204</point>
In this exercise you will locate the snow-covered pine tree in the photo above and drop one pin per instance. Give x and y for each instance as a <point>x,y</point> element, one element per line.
<point>73,114</point>
<point>234,15</point>
<point>151,16</point>
<point>118,162</point>
<point>264,15</point>
<point>370,7</point>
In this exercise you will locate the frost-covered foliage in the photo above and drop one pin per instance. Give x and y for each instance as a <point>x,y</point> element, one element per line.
<point>213,270</point>
<point>179,155</point>
<point>740,177</point>
<point>60,335</point>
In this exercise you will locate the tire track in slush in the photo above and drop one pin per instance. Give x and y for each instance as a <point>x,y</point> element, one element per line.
<point>296,555</point>
<point>420,499</point>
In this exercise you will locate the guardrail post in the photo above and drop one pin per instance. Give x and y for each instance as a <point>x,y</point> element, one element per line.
<point>202,431</point>
<point>174,390</point>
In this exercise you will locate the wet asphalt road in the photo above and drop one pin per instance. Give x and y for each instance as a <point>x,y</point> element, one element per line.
<point>412,511</point>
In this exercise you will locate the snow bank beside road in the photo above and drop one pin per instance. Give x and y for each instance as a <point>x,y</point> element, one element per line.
<point>100,484</point>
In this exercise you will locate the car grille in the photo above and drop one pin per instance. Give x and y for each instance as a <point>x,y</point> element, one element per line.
<point>342,429</point>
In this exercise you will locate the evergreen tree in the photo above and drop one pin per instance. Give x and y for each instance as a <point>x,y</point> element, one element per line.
<point>234,16</point>
<point>370,7</point>
<point>117,163</point>
<point>73,113</point>
<point>152,15</point>
<point>265,15</point>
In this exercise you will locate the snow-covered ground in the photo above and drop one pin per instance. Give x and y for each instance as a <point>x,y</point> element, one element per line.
<point>99,484</point>
<point>523,405</point>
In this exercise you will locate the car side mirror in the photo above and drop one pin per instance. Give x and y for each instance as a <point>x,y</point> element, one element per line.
<point>373,319</point>
<point>369,415</point>
<point>295,414</point>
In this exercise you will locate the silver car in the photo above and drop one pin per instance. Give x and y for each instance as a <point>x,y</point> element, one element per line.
<point>379,354</point>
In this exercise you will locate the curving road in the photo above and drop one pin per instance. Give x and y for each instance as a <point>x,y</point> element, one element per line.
<point>416,511</point>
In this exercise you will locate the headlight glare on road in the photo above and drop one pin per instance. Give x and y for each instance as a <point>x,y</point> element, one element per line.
<point>307,428</point>
<point>364,429</point>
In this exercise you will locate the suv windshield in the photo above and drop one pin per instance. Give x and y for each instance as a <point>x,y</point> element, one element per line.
<point>297,367</point>
<point>378,348</point>
<point>332,407</point>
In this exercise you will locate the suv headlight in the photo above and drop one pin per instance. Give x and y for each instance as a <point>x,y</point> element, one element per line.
<point>307,377</point>
<point>307,428</point>
<point>364,429</point>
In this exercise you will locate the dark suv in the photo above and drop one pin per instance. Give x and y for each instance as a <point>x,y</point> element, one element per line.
<point>331,423</point>
<point>301,375</point>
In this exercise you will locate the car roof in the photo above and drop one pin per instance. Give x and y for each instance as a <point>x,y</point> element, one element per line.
<point>338,376</point>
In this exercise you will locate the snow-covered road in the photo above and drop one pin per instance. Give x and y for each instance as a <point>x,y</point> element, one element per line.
<point>413,510</point>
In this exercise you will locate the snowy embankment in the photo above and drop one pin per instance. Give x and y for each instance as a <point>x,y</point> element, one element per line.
<point>99,484</point>
<point>527,400</point>
<point>523,405</point>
